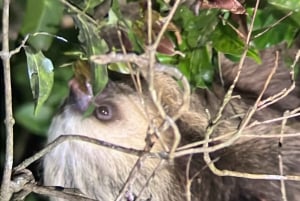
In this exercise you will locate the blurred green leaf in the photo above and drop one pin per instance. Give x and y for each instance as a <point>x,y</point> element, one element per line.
<point>225,40</point>
<point>119,67</point>
<point>91,4</point>
<point>286,4</point>
<point>42,16</point>
<point>265,34</point>
<point>38,124</point>
<point>167,59</point>
<point>40,71</point>
<point>196,30</point>
<point>280,33</point>
<point>197,67</point>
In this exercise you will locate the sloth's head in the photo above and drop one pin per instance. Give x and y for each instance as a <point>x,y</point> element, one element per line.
<point>120,116</point>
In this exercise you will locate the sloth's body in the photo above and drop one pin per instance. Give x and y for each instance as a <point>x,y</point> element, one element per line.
<point>121,118</point>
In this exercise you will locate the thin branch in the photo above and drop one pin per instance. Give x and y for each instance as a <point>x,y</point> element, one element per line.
<point>275,177</point>
<point>282,182</point>
<point>190,148</point>
<point>239,33</point>
<point>188,180</point>
<point>156,169</point>
<point>242,126</point>
<point>131,177</point>
<point>236,136</point>
<point>150,74</point>
<point>167,21</point>
<point>22,45</point>
<point>283,93</point>
<point>64,138</point>
<point>23,183</point>
<point>273,25</point>
<point>255,123</point>
<point>5,193</point>
<point>149,23</point>
<point>54,192</point>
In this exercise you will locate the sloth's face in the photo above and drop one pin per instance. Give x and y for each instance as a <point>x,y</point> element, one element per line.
<point>118,116</point>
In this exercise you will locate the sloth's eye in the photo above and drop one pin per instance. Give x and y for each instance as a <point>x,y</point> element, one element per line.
<point>104,112</point>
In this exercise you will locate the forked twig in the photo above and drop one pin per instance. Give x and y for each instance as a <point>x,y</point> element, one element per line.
<point>283,93</point>
<point>237,135</point>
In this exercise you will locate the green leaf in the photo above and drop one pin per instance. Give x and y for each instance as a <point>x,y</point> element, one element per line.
<point>226,40</point>
<point>284,4</point>
<point>119,67</point>
<point>42,16</point>
<point>265,34</point>
<point>91,4</point>
<point>280,33</point>
<point>89,36</point>
<point>38,124</point>
<point>167,59</point>
<point>40,71</point>
<point>197,67</point>
<point>196,30</point>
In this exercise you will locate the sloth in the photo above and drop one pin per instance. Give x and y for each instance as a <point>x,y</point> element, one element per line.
<point>125,117</point>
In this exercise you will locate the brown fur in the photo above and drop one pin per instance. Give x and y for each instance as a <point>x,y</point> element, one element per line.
<point>100,172</point>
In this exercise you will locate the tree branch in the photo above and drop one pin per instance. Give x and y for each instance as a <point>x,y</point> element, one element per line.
<point>6,192</point>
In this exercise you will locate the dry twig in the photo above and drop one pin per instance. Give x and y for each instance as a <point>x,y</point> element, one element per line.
<point>6,193</point>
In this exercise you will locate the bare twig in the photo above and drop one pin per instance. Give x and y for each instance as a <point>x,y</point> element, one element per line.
<point>255,123</point>
<point>131,177</point>
<point>6,193</point>
<point>273,25</point>
<point>64,138</point>
<point>149,23</point>
<point>157,168</point>
<point>23,183</point>
<point>18,49</point>
<point>67,194</point>
<point>282,182</point>
<point>242,126</point>
<point>189,148</point>
<point>239,33</point>
<point>188,180</point>
<point>283,93</point>
<point>151,51</point>
<point>167,21</point>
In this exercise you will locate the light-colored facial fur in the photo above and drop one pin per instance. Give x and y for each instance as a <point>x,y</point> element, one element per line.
<point>100,172</point>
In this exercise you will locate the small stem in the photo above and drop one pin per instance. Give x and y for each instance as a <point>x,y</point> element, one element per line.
<point>5,193</point>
